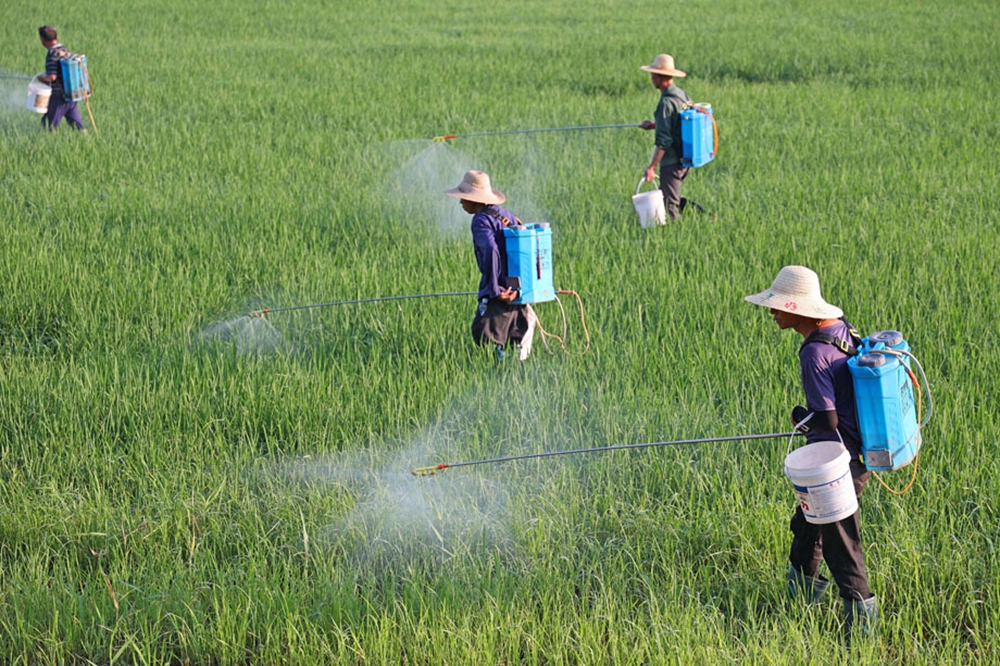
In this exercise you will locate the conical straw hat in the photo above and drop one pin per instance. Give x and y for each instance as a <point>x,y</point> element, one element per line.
<point>663,64</point>
<point>475,186</point>
<point>796,290</point>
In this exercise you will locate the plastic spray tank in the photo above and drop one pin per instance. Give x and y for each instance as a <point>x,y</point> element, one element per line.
<point>884,395</point>
<point>75,78</point>
<point>699,138</point>
<point>529,262</point>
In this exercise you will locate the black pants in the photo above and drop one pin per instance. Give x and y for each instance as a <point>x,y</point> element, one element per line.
<point>501,323</point>
<point>838,543</point>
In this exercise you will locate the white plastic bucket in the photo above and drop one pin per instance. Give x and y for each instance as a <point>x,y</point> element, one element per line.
<point>649,206</point>
<point>38,96</point>
<point>821,476</point>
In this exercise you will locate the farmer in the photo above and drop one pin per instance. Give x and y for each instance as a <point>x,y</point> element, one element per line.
<point>498,320</point>
<point>58,106</point>
<point>667,148</point>
<point>795,302</point>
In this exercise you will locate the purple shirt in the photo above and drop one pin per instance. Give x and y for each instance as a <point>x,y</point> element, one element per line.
<point>491,250</point>
<point>827,383</point>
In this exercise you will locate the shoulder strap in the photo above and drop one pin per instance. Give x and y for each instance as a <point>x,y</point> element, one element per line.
<point>685,103</point>
<point>842,345</point>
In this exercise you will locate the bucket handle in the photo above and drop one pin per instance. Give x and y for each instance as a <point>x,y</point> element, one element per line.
<point>641,181</point>
<point>795,431</point>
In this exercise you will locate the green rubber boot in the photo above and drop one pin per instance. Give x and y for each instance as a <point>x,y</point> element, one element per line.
<point>800,585</point>
<point>860,618</point>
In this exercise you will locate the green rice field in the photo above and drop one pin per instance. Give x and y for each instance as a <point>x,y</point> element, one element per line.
<point>181,484</point>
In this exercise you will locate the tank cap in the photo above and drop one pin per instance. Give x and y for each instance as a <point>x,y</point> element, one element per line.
<point>890,338</point>
<point>542,225</point>
<point>872,360</point>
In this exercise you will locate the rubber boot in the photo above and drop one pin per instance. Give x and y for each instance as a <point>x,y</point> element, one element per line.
<point>701,209</point>
<point>811,588</point>
<point>860,618</point>
<point>500,353</point>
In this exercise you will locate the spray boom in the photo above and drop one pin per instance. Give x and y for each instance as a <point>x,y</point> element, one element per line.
<point>261,313</point>
<point>432,470</point>
<point>445,137</point>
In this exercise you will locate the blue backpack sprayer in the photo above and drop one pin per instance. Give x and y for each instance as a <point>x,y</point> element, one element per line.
<point>529,262</point>
<point>886,393</point>
<point>699,136</point>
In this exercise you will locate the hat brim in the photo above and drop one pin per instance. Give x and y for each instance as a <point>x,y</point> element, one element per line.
<point>493,197</point>
<point>663,72</point>
<point>796,305</point>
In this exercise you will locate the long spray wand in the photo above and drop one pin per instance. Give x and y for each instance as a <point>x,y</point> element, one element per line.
<point>445,137</point>
<point>261,313</point>
<point>17,78</point>
<point>434,469</point>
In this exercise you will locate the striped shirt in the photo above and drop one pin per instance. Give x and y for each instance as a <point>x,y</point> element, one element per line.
<point>56,53</point>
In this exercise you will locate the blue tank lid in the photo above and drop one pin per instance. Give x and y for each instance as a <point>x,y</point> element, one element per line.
<point>872,360</point>
<point>889,338</point>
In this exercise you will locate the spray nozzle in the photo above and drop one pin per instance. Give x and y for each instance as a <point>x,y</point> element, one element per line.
<point>445,137</point>
<point>257,314</point>
<point>430,471</point>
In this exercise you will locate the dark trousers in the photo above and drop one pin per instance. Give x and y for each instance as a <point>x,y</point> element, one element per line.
<point>500,323</point>
<point>59,110</point>
<point>671,177</point>
<point>838,543</point>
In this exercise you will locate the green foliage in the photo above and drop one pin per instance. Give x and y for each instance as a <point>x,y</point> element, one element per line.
<point>179,484</point>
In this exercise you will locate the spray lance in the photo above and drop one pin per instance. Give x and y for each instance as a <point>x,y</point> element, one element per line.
<point>261,313</point>
<point>529,272</point>
<point>434,469</point>
<point>446,137</point>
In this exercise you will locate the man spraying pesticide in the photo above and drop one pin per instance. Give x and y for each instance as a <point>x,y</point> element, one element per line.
<point>498,319</point>
<point>861,415</point>
<point>681,141</point>
<point>69,79</point>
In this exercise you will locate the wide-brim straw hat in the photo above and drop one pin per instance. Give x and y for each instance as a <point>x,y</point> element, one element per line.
<point>663,64</point>
<point>475,186</point>
<point>796,290</point>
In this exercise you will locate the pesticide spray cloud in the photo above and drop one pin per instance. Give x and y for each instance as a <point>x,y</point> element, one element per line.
<point>13,94</point>
<point>423,178</point>
<point>437,166</point>
<point>251,335</point>
<point>395,519</point>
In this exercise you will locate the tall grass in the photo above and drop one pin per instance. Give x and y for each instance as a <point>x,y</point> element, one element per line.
<point>168,495</point>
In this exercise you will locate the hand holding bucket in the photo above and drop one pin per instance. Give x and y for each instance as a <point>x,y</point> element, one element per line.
<point>649,206</point>
<point>38,96</point>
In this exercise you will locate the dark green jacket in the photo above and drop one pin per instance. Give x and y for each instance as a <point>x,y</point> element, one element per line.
<point>668,123</point>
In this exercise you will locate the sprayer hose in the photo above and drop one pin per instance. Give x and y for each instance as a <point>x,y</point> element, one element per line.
<point>922,421</point>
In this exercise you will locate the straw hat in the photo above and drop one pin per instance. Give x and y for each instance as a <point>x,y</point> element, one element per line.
<point>796,290</point>
<point>663,64</point>
<point>475,186</point>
